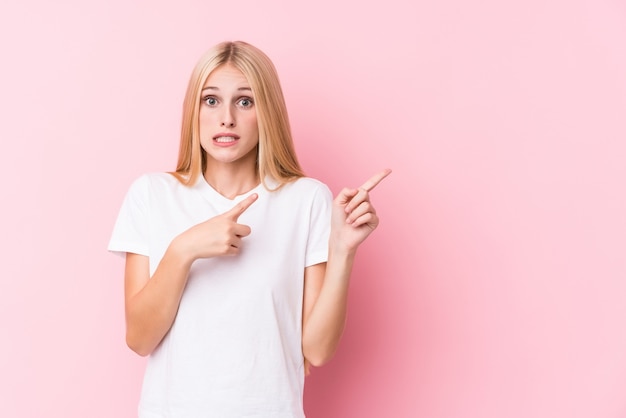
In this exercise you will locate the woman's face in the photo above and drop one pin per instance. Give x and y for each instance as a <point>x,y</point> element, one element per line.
<point>229,132</point>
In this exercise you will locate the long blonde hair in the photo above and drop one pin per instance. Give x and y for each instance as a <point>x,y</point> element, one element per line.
<point>276,154</point>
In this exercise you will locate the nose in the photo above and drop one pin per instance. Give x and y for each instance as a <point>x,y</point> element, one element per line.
<point>227,119</point>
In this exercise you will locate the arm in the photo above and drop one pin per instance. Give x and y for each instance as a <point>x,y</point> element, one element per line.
<point>326,285</point>
<point>151,303</point>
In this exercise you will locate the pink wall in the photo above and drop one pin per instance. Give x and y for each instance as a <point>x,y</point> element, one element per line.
<point>496,285</point>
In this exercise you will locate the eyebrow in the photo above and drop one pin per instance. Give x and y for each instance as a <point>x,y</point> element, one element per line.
<point>217,88</point>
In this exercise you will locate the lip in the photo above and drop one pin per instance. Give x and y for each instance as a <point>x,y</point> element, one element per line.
<point>232,135</point>
<point>225,135</point>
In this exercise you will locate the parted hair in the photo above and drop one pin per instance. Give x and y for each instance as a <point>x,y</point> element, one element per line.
<point>276,154</point>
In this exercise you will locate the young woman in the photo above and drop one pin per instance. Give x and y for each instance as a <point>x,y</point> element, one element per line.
<point>237,265</point>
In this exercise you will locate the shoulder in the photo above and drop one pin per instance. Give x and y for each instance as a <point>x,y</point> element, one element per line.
<point>307,186</point>
<point>306,192</point>
<point>153,183</point>
<point>155,180</point>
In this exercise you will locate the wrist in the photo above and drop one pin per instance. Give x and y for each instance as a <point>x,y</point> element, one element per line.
<point>340,251</point>
<point>180,252</point>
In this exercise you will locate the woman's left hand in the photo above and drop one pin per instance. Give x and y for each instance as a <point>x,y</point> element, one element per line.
<point>353,216</point>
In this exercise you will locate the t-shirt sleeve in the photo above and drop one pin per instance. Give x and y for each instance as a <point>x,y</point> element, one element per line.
<point>319,229</point>
<point>130,233</point>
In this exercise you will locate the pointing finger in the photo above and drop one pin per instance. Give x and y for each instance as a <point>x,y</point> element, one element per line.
<point>375,179</point>
<point>241,207</point>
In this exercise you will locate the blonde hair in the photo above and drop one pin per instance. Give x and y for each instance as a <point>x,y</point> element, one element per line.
<point>276,154</point>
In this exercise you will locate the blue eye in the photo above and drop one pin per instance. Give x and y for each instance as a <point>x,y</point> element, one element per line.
<point>245,102</point>
<point>211,101</point>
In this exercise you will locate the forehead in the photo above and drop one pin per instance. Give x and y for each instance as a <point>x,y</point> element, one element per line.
<point>226,76</point>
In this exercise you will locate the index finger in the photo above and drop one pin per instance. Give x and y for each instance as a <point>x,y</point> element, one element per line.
<point>375,179</point>
<point>241,207</point>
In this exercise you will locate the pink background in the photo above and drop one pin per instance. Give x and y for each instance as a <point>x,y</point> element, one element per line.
<point>496,284</point>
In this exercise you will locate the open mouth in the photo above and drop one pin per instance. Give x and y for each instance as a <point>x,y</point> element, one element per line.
<point>225,139</point>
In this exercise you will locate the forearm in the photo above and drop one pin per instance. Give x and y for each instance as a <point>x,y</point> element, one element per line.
<point>151,311</point>
<point>152,302</point>
<point>353,219</point>
<point>325,324</point>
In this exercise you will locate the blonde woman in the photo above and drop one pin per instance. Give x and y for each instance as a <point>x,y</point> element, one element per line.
<point>237,265</point>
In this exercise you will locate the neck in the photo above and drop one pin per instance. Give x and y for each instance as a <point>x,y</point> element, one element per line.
<point>231,180</point>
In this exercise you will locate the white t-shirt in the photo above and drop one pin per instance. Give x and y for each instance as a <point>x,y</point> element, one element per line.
<point>235,348</point>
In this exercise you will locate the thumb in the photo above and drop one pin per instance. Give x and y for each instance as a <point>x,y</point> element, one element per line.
<point>241,207</point>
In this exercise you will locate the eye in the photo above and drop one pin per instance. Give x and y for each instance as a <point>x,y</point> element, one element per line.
<point>210,100</point>
<point>245,102</point>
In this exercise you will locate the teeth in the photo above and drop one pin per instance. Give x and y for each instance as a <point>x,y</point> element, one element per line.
<point>225,139</point>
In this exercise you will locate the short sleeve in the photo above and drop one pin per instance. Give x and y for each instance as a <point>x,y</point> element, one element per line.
<point>131,230</point>
<point>319,229</point>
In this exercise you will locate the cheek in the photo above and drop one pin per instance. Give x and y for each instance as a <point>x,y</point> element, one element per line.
<point>205,122</point>
<point>253,125</point>
<point>203,116</point>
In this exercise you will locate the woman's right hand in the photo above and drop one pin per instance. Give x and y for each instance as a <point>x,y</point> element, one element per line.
<point>218,236</point>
